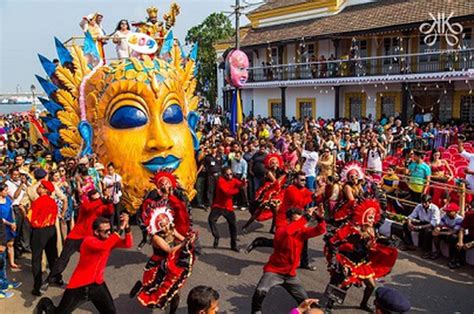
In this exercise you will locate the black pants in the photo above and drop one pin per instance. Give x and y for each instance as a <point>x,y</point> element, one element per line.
<point>69,248</point>
<point>200,189</point>
<point>415,197</point>
<point>451,240</point>
<point>269,280</point>
<point>211,187</point>
<point>42,239</point>
<point>304,255</point>
<point>22,240</point>
<point>241,198</point>
<point>425,236</point>
<point>230,217</point>
<point>99,295</point>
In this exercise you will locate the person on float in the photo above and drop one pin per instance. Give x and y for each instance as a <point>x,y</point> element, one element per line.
<point>119,39</point>
<point>226,188</point>
<point>289,240</point>
<point>355,255</point>
<point>89,211</point>
<point>269,196</point>
<point>93,24</point>
<point>170,265</point>
<point>87,281</point>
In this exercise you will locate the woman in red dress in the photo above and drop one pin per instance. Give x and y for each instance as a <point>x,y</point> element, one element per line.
<point>170,265</point>
<point>353,178</point>
<point>355,256</point>
<point>441,172</point>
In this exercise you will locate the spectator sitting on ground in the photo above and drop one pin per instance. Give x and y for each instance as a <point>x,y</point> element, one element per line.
<point>448,230</point>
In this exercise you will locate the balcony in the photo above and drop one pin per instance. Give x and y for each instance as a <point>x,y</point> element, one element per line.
<point>454,61</point>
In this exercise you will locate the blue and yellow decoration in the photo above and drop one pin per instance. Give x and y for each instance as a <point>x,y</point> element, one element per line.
<point>139,113</point>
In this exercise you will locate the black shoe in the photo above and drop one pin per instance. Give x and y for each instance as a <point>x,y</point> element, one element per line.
<point>426,255</point>
<point>216,243</point>
<point>235,249</point>
<point>250,247</point>
<point>367,308</point>
<point>44,286</point>
<point>138,285</point>
<point>36,292</point>
<point>141,245</point>
<point>308,267</point>
<point>58,283</point>
<point>45,305</point>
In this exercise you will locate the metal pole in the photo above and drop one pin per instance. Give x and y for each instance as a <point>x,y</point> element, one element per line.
<point>237,24</point>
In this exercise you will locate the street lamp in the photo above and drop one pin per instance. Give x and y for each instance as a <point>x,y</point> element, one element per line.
<point>33,90</point>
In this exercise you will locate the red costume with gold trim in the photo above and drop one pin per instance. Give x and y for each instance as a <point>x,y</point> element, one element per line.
<point>165,272</point>
<point>270,195</point>
<point>354,247</point>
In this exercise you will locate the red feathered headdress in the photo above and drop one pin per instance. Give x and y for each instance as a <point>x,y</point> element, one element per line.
<point>164,178</point>
<point>272,158</point>
<point>350,168</point>
<point>365,211</point>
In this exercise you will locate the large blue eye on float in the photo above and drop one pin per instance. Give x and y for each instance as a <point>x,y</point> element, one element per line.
<point>128,117</point>
<point>173,114</point>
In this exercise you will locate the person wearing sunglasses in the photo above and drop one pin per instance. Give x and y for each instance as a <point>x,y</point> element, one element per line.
<point>226,188</point>
<point>88,213</point>
<point>87,281</point>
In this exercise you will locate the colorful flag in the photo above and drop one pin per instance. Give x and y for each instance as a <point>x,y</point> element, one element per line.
<point>236,112</point>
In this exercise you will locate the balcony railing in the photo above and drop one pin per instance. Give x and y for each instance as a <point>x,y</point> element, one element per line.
<point>439,61</point>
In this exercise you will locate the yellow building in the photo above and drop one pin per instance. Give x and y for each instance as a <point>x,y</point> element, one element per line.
<point>359,58</point>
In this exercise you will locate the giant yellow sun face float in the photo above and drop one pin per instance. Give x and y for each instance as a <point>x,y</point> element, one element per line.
<point>138,113</point>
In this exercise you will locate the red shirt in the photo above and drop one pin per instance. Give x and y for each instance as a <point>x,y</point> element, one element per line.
<point>288,244</point>
<point>293,197</point>
<point>181,215</point>
<point>88,212</point>
<point>225,189</point>
<point>44,212</point>
<point>93,259</point>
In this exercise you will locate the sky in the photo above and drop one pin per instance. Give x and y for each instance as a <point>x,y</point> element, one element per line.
<point>28,27</point>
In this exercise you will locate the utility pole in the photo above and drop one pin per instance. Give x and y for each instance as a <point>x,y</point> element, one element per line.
<point>237,23</point>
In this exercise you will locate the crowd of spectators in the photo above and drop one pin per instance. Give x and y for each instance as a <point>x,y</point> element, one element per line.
<point>416,165</point>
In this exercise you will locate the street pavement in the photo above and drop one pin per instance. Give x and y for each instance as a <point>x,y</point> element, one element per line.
<point>430,285</point>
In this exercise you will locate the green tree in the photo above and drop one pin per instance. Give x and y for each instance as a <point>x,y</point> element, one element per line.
<point>214,28</point>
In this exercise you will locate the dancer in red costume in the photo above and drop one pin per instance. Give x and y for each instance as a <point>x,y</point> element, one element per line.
<point>167,194</point>
<point>352,193</point>
<point>169,266</point>
<point>87,281</point>
<point>288,244</point>
<point>355,254</point>
<point>294,196</point>
<point>88,213</point>
<point>269,197</point>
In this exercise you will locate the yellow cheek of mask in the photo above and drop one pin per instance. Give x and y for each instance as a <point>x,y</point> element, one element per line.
<point>127,149</point>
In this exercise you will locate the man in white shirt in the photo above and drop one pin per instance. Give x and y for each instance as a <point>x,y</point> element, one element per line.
<point>424,218</point>
<point>112,185</point>
<point>470,168</point>
<point>311,161</point>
